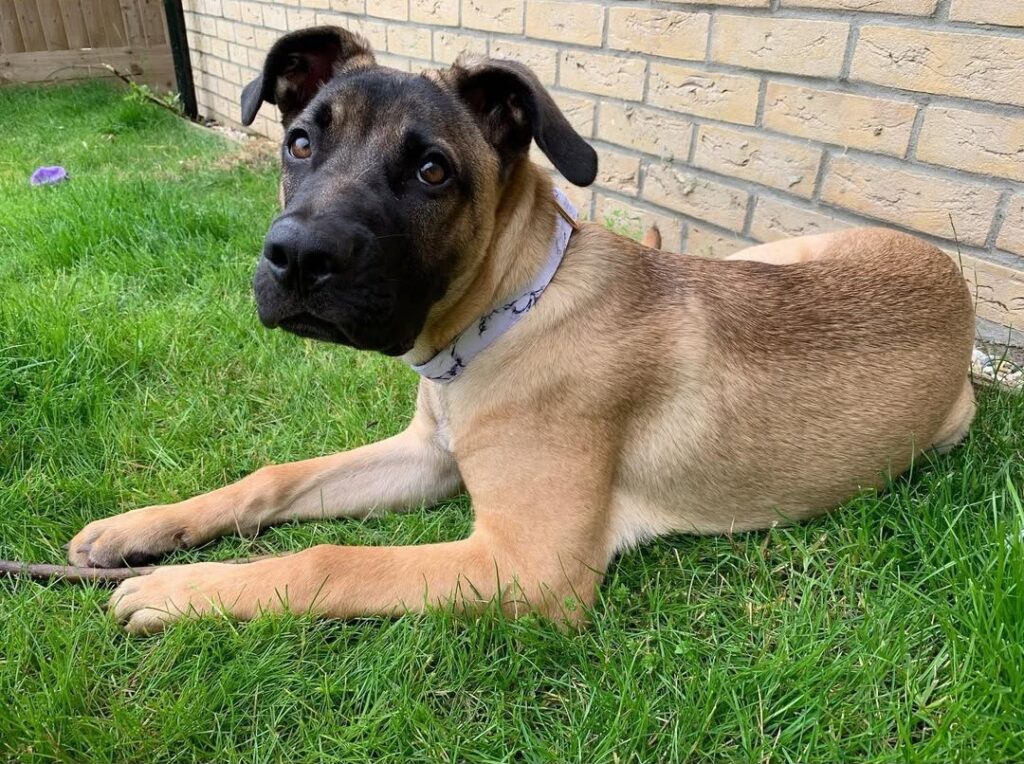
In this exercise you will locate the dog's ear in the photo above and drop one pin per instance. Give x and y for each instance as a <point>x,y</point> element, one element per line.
<point>513,108</point>
<point>298,64</point>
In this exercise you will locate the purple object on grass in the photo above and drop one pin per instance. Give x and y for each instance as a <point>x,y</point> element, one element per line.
<point>45,175</point>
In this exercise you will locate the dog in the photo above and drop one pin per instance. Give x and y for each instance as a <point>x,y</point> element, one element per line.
<point>589,393</point>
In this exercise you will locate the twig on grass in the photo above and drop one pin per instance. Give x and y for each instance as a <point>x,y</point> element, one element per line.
<point>76,574</point>
<point>126,78</point>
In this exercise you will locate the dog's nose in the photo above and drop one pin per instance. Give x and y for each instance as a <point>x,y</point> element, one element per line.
<point>300,252</point>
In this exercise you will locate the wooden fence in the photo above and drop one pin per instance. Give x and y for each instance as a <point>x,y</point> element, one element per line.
<point>48,40</point>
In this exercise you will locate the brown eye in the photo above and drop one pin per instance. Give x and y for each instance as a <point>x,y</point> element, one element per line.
<point>432,172</point>
<point>299,146</point>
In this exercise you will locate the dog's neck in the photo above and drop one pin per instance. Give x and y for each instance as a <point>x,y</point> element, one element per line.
<point>518,249</point>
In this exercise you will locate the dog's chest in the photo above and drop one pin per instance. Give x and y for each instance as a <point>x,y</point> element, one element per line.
<point>443,432</point>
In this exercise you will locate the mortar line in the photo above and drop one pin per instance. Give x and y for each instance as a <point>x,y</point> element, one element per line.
<point>915,131</point>
<point>851,46</point>
<point>748,221</point>
<point>762,97</point>
<point>1002,209</point>
<point>819,180</point>
<point>711,35</point>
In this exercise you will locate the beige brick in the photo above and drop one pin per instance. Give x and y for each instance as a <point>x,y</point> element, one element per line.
<point>704,242</point>
<point>616,76</point>
<point>727,97</point>
<point>733,3</point>
<point>998,291</point>
<point>916,200</point>
<point>774,220</point>
<point>301,18</point>
<point>578,110</point>
<point>392,61</point>
<point>581,198</point>
<point>265,39</point>
<point>435,12</point>
<point>388,9</point>
<point>672,186</point>
<point>349,6</point>
<point>409,41</point>
<point>196,28</point>
<point>975,66</point>
<point>1004,12</point>
<point>541,59</point>
<point>537,157</point>
<point>238,54</point>
<point>275,17</point>
<point>376,32</point>
<point>1011,235</point>
<point>795,46</point>
<point>645,130</point>
<point>577,23</point>
<point>226,31</point>
<point>618,172</point>
<point>330,18</point>
<point>245,35</point>
<point>676,34</point>
<point>213,67</point>
<point>229,90</point>
<point>256,57</point>
<point>319,4</point>
<point>777,163</point>
<point>632,221</point>
<point>989,144</point>
<point>269,128</point>
<point>493,15</point>
<point>906,7</point>
<point>251,13</point>
<point>448,46</point>
<point>880,125</point>
<point>219,48</point>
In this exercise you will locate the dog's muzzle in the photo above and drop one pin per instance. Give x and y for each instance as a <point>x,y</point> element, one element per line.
<point>330,279</point>
<point>305,257</point>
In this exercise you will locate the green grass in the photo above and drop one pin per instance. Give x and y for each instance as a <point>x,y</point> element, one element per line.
<point>133,371</point>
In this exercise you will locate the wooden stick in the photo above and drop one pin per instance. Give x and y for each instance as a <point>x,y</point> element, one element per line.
<point>74,574</point>
<point>153,99</point>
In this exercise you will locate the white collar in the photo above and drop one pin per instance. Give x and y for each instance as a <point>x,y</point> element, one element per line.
<point>452,360</point>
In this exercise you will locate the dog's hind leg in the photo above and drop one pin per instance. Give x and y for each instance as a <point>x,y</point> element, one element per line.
<point>958,422</point>
<point>407,470</point>
<point>801,249</point>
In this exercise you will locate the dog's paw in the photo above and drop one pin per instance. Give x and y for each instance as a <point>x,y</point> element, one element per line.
<point>133,538</point>
<point>146,604</point>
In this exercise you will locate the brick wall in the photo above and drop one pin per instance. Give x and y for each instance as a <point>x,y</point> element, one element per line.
<point>735,121</point>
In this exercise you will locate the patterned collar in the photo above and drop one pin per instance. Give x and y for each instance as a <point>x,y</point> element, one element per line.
<point>453,359</point>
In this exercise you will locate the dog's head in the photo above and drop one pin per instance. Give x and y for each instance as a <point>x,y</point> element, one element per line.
<point>391,182</point>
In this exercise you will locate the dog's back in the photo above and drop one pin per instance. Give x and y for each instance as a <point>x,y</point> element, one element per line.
<point>806,381</point>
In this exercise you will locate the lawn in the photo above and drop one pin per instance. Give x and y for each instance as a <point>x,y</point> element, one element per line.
<point>133,371</point>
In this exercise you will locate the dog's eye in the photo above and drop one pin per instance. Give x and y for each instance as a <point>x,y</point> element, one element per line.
<point>299,146</point>
<point>432,172</point>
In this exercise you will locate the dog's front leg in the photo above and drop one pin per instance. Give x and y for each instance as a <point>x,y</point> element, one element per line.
<point>409,469</point>
<point>538,545</point>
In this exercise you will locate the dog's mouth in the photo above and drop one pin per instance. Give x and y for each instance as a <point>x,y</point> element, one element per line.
<point>314,328</point>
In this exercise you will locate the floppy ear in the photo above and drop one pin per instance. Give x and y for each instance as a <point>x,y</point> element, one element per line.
<point>513,108</point>
<point>298,64</point>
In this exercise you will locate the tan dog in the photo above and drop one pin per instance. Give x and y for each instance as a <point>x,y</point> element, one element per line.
<point>645,393</point>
